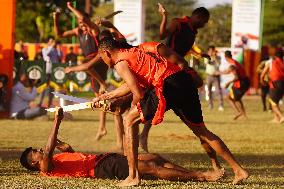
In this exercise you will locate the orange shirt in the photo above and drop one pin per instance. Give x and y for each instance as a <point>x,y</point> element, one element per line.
<point>149,71</point>
<point>240,72</point>
<point>72,165</point>
<point>276,70</point>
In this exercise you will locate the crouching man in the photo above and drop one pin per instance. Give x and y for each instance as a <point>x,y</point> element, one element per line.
<point>104,166</point>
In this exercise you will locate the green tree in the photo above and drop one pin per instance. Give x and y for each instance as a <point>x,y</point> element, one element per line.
<point>34,21</point>
<point>273,24</point>
<point>217,32</point>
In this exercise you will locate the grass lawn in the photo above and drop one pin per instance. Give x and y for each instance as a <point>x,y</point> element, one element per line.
<point>256,143</point>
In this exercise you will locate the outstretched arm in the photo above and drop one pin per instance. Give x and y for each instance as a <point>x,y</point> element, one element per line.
<point>58,32</point>
<point>130,85</point>
<point>46,165</point>
<point>94,28</point>
<point>83,67</point>
<point>118,92</point>
<point>164,31</point>
<point>126,74</point>
<point>232,70</point>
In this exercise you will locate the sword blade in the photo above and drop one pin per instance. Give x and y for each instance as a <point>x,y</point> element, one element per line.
<point>70,108</point>
<point>80,106</point>
<point>112,15</point>
<point>71,98</point>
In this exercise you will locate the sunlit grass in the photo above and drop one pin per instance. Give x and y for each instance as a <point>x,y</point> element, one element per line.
<point>256,143</point>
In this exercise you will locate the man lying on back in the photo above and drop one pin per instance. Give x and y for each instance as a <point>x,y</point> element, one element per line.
<point>104,166</point>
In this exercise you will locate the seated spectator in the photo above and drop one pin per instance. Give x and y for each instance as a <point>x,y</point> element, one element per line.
<point>71,57</point>
<point>24,93</point>
<point>3,83</point>
<point>20,52</point>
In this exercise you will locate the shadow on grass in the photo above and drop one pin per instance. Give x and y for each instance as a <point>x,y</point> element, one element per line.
<point>261,167</point>
<point>256,164</point>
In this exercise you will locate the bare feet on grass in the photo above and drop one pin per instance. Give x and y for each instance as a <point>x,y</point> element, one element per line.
<point>100,134</point>
<point>238,116</point>
<point>215,175</point>
<point>129,182</point>
<point>240,176</point>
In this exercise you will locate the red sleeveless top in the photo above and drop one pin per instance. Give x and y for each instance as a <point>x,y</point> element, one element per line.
<point>153,48</point>
<point>240,72</point>
<point>277,70</point>
<point>150,71</point>
<point>72,165</point>
<point>182,40</point>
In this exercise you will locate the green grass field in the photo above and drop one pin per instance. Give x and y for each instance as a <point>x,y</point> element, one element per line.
<point>256,143</point>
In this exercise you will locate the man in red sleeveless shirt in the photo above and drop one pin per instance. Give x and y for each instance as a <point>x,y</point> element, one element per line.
<point>87,33</point>
<point>88,37</point>
<point>276,84</point>
<point>104,166</point>
<point>165,89</point>
<point>181,32</point>
<point>240,86</point>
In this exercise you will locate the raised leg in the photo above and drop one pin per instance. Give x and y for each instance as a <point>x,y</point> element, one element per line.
<point>102,131</point>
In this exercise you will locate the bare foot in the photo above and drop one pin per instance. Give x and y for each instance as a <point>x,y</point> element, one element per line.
<point>215,175</point>
<point>216,166</point>
<point>100,134</point>
<point>237,116</point>
<point>129,182</point>
<point>281,120</point>
<point>240,176</point>
<point>143,143</point>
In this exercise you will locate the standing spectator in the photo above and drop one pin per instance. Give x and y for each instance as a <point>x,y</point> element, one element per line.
<point>212,66</point>
<point>3,92</point>
<point>24,93</point>
<point>38,55</point>
<point>276,83</point>
<point>264,85</point>
<point>51,54</point>
<point>71,57</point>
<point>59,51</point>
